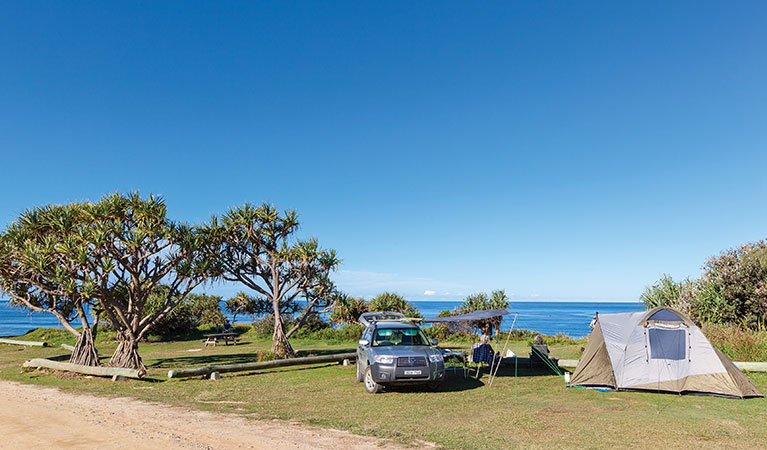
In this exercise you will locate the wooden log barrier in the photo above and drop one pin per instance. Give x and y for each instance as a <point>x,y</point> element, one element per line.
<point>225,368</point>
<point>85,370</point>
<point>17,342</point>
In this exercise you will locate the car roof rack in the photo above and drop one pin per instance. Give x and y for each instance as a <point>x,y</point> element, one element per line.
<point>378,316</point>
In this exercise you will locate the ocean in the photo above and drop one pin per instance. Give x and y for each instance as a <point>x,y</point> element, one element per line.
<point>570,318</point>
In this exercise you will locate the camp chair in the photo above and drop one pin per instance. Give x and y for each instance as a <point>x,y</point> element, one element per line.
<point>539,353</point>
<point>483,354</point>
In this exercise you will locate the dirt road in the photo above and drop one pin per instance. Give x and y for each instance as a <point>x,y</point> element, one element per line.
<point>39,417</point>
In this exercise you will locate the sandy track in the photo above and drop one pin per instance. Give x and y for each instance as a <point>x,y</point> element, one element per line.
<point>40,417</point>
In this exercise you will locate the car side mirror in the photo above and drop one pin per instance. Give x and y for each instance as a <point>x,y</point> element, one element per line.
<point>363,342</point>
<point>434,342</point>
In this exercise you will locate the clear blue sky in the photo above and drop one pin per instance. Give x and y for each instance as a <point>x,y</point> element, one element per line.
<point>559,150</point>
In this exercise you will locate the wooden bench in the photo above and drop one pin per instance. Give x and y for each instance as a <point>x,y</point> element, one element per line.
<point>228,338</point>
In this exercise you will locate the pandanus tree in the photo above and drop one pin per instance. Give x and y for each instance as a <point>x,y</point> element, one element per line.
<point>255,246</point>
<point>43,268</point>
<point>137,248</point>
<point>241,303</point>
<point>481,302</point>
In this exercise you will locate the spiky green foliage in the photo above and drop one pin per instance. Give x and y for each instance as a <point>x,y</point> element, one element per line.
<point>665,292</point>
<point>482,302</point>
<point>255,246</point>
<point>241,303</point>
<point>731,291</point>
<point>138,248</point>
<point>45,268</point>
<point>390,301</point>
<point>348,309</point>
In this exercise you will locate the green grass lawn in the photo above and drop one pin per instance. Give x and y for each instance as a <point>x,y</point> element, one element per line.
<point>535,409</point>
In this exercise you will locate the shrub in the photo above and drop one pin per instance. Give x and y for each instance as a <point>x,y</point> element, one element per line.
<point>733,288</point>
<point>483,302</point>
<point>205,309</point>
<point>347,309</point>
<point>241,303</point>
<point>737,343</point>
<point>665,292</point>
<point>389,301</point>
<point>731,291</point>
<point>195,310</point>
<point>267,355</point>
<point>264,327</point>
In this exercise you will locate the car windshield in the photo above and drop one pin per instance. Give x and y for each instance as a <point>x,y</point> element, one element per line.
<point>398,336</point>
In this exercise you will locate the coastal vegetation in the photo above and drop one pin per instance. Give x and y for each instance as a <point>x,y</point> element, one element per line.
<point>465,414</point>
<point>124,261</point>
<point>348,309</point>
<point>731,291</point>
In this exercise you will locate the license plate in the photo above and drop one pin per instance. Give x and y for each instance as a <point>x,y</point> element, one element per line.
<point>412,372</point>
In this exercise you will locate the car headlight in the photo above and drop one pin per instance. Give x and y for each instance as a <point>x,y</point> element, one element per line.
<point>435,358</point>
<point>385,359</point>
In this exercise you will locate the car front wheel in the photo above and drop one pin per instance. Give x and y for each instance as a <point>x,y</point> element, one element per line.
<point>434,386</point>
<point>370,384</point>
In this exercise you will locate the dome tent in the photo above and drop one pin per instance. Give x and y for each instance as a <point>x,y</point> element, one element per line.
<point>657,350</point>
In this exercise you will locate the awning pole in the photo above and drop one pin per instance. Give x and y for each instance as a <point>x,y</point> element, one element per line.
<point>493,374</point>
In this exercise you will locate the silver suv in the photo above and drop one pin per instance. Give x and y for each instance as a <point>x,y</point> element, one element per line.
<point>394,350</point>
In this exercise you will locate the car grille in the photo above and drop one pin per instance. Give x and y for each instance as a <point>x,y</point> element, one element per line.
<point>411,361</point>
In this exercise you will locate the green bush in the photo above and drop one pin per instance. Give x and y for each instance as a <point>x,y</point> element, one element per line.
<point>267,355</point>
<point>389,301</point>
<point>264,327</point>
<point>347,333</point>
<point>732,290</point>
<point>196,310</point>
<point>738,343</point>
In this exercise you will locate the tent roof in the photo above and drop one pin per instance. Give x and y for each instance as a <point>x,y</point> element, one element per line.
<point>476,315</point>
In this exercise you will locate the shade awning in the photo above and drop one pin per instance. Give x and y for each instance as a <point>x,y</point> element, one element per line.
<point>470,317</point>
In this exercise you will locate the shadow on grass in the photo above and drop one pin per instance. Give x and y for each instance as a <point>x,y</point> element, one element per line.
<point>203,360</point>
<point>522,370</point>
<point>228,358</point>
<point>253,373</point>
<point>331,351</point>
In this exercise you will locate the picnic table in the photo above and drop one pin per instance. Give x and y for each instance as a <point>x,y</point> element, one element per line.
<point>226,337</point>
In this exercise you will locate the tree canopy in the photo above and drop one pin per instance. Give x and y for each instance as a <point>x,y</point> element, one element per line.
<point>43,269</point>
<point>241,303</point>
<point>480,302</point>
<point>256,246</point>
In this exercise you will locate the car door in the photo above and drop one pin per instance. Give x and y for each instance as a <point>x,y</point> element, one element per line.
<point>363,351</point>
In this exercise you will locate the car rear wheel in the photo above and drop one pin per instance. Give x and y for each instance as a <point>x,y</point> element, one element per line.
<point>360,373</point>
<point>370,384</point>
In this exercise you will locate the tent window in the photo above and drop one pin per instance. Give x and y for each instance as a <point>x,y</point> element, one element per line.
<point>665,315</point>
<point>668,344</point>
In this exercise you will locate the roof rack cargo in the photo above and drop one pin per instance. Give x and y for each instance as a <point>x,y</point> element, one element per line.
<point>370,317</point>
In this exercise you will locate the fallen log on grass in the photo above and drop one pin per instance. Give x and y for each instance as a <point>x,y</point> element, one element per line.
<point>68,347</point>
<point>85,370</point>
<point>17,342</point>
<point>241,367</point>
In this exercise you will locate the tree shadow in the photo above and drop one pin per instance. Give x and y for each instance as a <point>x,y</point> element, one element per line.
<point>332,351</point>
<point>203,360</point>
